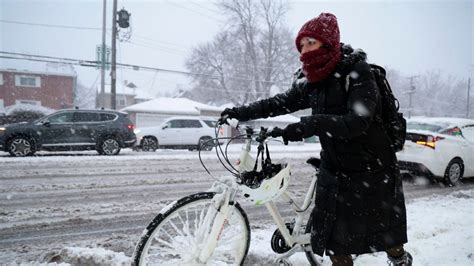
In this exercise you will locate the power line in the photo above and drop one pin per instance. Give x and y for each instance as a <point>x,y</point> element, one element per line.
<point>135,42</point>
<point>206,8</point>
<point>49,25</point>
<point>157,41</point>
<point>89,63</point>
<point>160,48</point>
<point>191,10</point>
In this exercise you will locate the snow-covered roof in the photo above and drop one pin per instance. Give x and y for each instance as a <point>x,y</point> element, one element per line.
<point>27,107</point>
<point>281,119</point>
<point>171,106</point>
<point>47,71</point>
<point>227,105</point>
<point>139,93</point>
<point>443,121</point>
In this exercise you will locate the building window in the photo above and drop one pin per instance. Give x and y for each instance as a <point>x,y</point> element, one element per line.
<point>1,79</point>
<point>28,102</point>
<point>27,81</point>
<point>122,102</point>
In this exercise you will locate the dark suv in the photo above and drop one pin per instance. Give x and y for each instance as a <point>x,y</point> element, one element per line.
<point>70,130</point>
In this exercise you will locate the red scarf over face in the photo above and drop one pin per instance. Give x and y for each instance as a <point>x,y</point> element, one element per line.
<point>318,64</point>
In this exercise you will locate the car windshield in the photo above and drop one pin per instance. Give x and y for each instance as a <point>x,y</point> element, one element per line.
<point>426,126</point>
<point>43,118</point>
<point>468,132</point>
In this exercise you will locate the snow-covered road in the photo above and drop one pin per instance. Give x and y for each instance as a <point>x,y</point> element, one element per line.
<point>53,201</point>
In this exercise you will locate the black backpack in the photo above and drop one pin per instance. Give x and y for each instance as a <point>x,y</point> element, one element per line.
<point>392,121</point>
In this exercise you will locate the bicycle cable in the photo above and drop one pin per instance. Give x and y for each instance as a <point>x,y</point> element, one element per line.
<point>220,160</point>
<point>224,156</point>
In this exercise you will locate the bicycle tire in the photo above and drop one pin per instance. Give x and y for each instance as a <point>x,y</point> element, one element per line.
<point>313,259</point>
<point>176,237</point>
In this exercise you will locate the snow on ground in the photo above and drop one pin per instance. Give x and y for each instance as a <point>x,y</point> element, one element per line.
<point>277,150</point>
<point>440,232</point>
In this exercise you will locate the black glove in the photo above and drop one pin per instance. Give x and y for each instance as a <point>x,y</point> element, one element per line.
<point>228,113</point>
<point>277,132</point>
<point>293,132</point>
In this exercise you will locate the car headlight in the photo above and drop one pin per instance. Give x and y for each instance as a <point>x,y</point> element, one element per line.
<point>136,131</point>
<point>2,129</point>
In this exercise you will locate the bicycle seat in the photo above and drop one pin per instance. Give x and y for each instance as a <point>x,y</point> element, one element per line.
<point>315,162</point>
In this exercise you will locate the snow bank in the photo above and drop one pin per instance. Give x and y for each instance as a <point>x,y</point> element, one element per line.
<point>440,232</point>
<point>277,150</point>
<point>92,256</point>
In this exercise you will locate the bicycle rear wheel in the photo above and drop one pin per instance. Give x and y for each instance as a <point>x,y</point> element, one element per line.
<point>176,236</point>
<point>314,260</point>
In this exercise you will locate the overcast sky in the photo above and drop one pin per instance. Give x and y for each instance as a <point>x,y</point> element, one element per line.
<point>410,36</point>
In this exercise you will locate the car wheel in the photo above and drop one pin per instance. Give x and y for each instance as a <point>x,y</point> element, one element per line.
<point>21,146</point>
<point>109,146</point>
<point>454,172</point>
<point>205,144</point>
<point>149,144</point>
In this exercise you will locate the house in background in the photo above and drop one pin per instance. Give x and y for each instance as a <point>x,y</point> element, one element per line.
<point>278,121</point>
<point>51,90</point>
<point>127,93</point>
<point>154,112</point>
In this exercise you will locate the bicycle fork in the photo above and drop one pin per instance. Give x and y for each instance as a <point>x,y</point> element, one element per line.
<point>214,223</point>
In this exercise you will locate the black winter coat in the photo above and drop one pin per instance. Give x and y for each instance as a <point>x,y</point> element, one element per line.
<point>359,206</point>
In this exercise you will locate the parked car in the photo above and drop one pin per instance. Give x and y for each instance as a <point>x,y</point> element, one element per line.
<point>102,130</point>
<point>179,132</point>
<point>442,148</point>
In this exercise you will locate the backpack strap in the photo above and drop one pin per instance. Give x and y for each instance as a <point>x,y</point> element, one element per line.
<point>347,84</point>
<point>373,69</point>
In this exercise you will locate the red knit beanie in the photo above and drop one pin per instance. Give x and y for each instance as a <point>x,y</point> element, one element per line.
<point>323,28</point>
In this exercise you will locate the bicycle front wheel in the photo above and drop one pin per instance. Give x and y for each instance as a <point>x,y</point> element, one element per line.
<point>177,235</point>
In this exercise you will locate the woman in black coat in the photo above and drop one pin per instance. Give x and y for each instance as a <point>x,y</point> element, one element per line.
<point>359,206</point>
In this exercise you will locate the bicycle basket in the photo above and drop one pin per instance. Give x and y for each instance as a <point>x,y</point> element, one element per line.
<point>262,186</point>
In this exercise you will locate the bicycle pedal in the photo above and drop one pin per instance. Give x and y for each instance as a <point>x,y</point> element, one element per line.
<point>283,262</point>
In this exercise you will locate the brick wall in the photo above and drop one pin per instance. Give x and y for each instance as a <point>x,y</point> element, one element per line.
<point>55,91</point>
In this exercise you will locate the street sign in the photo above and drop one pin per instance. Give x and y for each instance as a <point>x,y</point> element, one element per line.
<point>99,57</point>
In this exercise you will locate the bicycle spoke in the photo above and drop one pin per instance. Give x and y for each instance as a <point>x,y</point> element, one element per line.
<point>179,238</point>
<point>167,250</point>
<point>176,228</point>
<point>166,232</point>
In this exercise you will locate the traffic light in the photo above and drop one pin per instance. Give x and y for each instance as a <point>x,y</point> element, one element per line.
<point>123,18</point>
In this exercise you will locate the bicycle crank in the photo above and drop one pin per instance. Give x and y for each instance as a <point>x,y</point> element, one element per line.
<point>278,242</point>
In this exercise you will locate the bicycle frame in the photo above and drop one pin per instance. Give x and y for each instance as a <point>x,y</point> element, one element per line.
<point>226,189</point>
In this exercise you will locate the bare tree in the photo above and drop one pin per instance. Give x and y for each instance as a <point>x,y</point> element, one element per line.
<point>84,97</point>
<point>436,94</point>
<point>245,60</point>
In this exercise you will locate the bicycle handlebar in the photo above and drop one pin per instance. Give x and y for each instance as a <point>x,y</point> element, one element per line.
<point>262,135</point>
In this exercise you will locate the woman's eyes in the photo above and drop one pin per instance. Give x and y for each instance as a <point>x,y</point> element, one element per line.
<point>308,42</point>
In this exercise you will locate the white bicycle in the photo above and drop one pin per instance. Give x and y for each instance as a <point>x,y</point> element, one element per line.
<point>211,228</point>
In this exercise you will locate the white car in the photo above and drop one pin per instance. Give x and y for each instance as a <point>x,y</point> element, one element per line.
<point>178,132</point>
<point>439,147</point>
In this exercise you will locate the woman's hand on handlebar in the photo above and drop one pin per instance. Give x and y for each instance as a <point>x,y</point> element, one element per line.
<point>276,132</point>
<point>226,120</point>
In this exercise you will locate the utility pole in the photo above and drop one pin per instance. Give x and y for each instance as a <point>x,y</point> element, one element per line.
<point>102,67</point>
<point>410,94</point>
<point>113,72</point>
<point>468,96</point>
